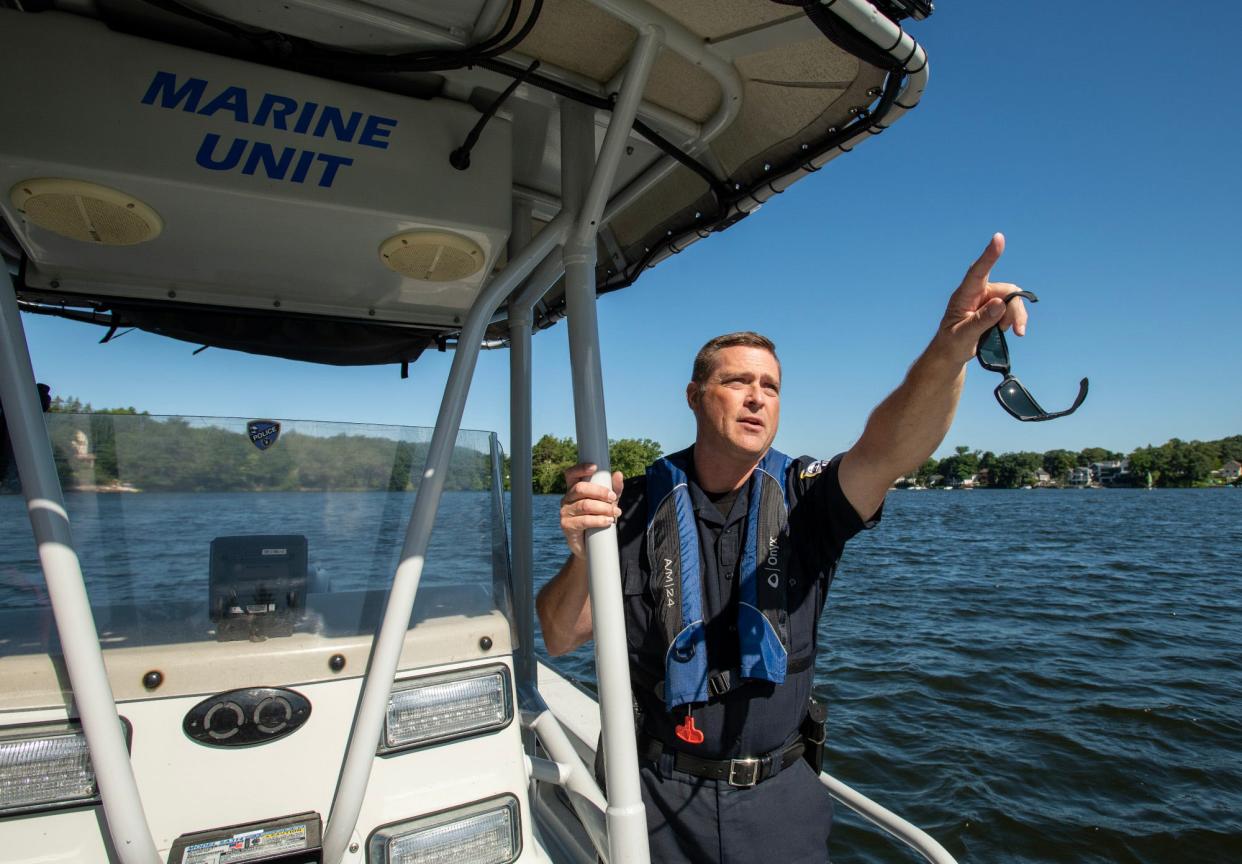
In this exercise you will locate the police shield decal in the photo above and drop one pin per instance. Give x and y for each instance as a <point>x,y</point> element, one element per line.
<point>263,433</point>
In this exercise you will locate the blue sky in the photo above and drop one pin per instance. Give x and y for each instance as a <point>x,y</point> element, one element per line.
<point>1103,140</point>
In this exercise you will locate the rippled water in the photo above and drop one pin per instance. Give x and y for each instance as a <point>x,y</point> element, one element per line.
<point>1030,676</point>
<point>1036,675</point>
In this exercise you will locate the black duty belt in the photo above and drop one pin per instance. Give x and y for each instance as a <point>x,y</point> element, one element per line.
<point>741,773</point>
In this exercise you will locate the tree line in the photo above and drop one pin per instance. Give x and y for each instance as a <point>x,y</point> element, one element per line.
<point>551,456</point>
<point>171,454</point>
<point>1175,463</point>
<point>131,447</point>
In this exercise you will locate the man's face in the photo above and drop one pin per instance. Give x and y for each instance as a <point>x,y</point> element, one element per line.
<point>739,406</point>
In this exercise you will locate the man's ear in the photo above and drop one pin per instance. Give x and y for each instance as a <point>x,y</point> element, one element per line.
<point>692,396</point>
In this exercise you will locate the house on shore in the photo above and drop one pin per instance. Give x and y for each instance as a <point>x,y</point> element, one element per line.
<point>1105,473</point>
<point>1230,471</point>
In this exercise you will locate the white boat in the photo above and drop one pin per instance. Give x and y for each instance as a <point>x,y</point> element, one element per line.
<point>356,181</point>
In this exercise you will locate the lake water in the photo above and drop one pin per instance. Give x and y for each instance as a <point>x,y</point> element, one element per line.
<point>1037,675</point>
<point>1029,675</point>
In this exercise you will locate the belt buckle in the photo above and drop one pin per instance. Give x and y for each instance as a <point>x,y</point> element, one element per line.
<point>744,773</point>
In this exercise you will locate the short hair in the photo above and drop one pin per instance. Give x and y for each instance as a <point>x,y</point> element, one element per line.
<point>706,358</point>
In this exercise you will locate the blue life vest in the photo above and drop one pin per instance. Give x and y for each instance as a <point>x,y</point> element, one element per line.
<point>673,551</point>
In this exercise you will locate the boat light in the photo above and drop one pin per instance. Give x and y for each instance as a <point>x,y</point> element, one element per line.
<point>432,256</point>
<point>438,708</point>
<point>87,212</point>
<point>46,765</point>
<point>484,833</point>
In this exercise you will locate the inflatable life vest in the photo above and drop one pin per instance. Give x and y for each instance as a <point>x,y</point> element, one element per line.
<point>673,550</point>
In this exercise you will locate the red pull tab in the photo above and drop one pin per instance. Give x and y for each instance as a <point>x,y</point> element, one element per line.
<point>686,731</point>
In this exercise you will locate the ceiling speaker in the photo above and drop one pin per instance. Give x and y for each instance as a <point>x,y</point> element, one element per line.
<point>432,256</point>
<point>86,211</point>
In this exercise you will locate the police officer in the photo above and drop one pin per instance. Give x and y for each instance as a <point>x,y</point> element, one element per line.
<point>722,674</point>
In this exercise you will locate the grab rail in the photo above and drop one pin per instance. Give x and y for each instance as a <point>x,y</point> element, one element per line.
<point>887,821</point>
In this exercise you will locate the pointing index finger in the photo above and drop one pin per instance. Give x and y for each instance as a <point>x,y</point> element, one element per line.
<point>982,268</point>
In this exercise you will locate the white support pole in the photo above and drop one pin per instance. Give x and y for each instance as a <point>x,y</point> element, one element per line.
<point>521,326</point>
<point>521,506</point>
<point>79,640</point>
<point>627,823</point>
<point>386,652</point>
<point>681,40</point>
<point>587,801</point>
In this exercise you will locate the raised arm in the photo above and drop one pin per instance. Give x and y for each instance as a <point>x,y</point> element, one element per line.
<point>564,604</point>
<point>908,426</point>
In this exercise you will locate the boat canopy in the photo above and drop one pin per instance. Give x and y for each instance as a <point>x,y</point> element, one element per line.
<point>336,181</point>
<point>353,181</point>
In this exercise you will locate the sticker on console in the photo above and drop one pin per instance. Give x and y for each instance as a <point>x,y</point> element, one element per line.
<point>247,846</point>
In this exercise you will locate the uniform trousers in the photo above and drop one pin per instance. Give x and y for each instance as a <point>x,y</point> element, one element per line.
<point>693,820</point>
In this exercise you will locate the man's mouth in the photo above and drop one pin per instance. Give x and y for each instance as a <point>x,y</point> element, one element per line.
<point>751,421</point>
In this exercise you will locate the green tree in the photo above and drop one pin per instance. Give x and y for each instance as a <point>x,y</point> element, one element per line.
<point>402,467</point>
<point>925,472</point>
<point>102,437</point>
<point>550,457</point>
<point>961,465</point>
<point>1059,463</point>
<point>631,456</point>
<point>1090,455</point>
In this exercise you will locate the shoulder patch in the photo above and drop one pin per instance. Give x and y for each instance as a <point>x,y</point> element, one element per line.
<point>815,468</point>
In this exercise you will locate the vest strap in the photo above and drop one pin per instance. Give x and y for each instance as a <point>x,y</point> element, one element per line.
<point>673,552</point>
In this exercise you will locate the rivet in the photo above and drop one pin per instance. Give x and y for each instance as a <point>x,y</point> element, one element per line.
<point>806,147</point>
<point>485,643</point>
<point>353,848</point>
<point>767,166</point>
<point>55,283</point>
<point>172,295</point>
<point>276,303</point>
<point>371,312</point>
<point>336,662</point>
<point>153,679</point>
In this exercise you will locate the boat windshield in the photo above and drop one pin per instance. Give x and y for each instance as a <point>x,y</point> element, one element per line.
<point>211,529</point>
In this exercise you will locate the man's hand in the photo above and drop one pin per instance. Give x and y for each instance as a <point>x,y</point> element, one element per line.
<point>908,426</point>
<point>587,505</point>
<point>978,304</point>
<point>564,604</point>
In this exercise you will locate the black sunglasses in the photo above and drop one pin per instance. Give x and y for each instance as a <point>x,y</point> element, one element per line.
<point>993,354</point>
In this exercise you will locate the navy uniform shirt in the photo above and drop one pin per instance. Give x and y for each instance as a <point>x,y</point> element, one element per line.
<point>755,717</point>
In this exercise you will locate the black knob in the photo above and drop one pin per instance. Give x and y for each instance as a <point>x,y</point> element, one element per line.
<point>336,662</point>
<point>486,643</point>
<point>153,679</point>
